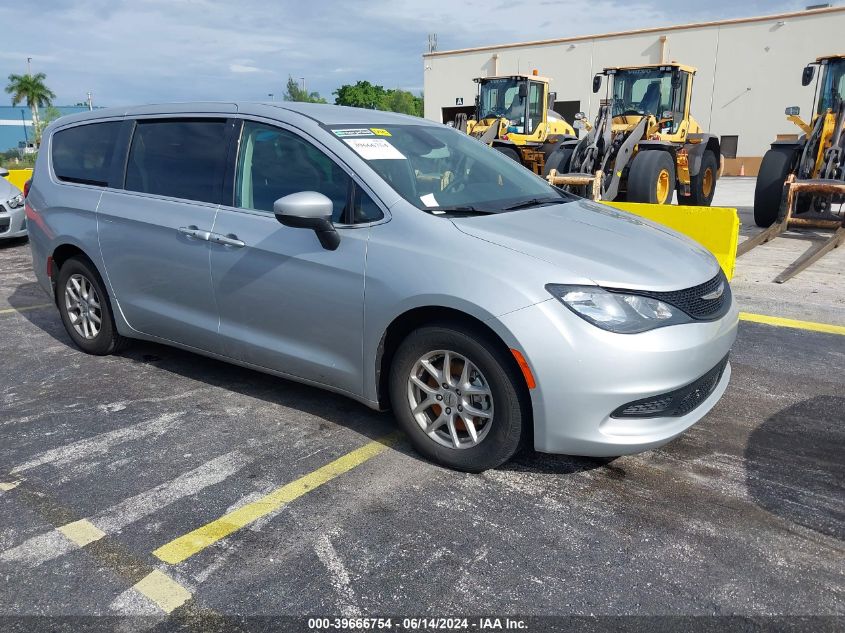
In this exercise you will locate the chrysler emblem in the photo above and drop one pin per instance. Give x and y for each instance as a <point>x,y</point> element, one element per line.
<point>716,293</point>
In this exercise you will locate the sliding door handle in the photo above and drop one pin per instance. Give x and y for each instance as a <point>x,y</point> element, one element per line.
<point>193,231</point>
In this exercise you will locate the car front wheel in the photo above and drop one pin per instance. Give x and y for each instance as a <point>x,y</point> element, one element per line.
<point>458,397</point>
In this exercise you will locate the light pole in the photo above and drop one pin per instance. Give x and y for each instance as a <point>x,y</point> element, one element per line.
<point>29,66</point>
<point>272,98</point>
<point>90,101</point>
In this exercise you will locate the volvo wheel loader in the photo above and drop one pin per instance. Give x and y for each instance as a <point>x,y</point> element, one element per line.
<point>513,115</point>
<point>644,144</point>
<point>808,174</point>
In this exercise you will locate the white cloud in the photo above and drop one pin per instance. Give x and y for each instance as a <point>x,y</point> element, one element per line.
<point>243,68</point>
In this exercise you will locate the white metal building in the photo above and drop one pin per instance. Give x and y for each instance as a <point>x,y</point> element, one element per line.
<point>749,70</point>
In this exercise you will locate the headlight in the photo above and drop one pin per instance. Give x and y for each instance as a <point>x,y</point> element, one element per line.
<point>16,202</point>
<point>616,311</point>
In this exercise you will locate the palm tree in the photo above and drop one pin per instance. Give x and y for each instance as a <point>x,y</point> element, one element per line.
<point>32,90</point>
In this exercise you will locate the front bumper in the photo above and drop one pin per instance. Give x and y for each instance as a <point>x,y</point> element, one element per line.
<point>12,222</point>
<point>584,374</point>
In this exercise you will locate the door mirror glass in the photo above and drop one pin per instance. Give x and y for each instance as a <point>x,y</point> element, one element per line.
<point>807,75</point>
<point>308,210</point>
<point>523,91</point>
<point>3,172</point>
<point>792,111</point>
<point>596,83</point>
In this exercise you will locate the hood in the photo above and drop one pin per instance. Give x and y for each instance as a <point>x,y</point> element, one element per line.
<point>594,241</point>
<point>7,190</point>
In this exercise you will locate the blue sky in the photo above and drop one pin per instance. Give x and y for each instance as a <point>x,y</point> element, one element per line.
<point>142,51</point>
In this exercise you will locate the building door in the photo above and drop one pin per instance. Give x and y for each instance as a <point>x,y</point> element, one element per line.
<point>449,114</point>
<point>568,110</point>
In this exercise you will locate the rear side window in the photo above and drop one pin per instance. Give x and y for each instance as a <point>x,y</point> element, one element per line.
<point>178,158</point>
<point>83,154</point>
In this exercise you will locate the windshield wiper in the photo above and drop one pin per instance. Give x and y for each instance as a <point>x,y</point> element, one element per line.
<point>459,209</point>
<point>534,202</point>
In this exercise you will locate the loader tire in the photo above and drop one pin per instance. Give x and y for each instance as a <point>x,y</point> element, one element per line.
<point>651,178</point>
<point>559,160</point>
<point>509,152</point>
<point>703,184</point>
<point>776,166</point>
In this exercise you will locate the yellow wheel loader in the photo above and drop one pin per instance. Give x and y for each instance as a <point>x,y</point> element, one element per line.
<point>807,174</point>
<point>644,144</point>
<point>513,115</point>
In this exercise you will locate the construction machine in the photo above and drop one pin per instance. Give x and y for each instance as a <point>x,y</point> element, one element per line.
<point>807,174</point>
<point>513,115</point>
<point>644,144</point>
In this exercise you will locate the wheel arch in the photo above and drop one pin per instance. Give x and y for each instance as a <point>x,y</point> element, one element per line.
<point>64,252</point>
<point>413,318</point>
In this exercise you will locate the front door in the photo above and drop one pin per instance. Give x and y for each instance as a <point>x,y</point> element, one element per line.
<point>286,303</point>
<point>152,234</point>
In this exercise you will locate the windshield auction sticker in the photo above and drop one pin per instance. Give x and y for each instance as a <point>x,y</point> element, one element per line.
<point>353,131</point>
<point>374,149</point>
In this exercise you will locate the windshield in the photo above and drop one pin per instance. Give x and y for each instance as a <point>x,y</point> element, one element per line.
<point>442,170</point>
<point>500,98</point>
<point>642,91</point>
<point>833,85</point>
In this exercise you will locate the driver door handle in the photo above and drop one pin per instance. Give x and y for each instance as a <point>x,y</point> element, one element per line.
<point>226,240</point>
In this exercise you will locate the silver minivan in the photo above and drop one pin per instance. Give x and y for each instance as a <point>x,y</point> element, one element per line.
<point>391,259</point>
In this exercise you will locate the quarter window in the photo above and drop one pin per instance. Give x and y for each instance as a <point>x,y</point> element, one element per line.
<point>535,106</point>
<point>83,154</point>
<point>178,158</point>
<point>274,163</point>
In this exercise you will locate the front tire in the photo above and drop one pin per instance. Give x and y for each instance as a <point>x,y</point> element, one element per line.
<point>560,160</point>
<point>459,397</point>
<point>85,309</point>
<point>651,178</point>
<point>776,166</point>
<point>509,152</point>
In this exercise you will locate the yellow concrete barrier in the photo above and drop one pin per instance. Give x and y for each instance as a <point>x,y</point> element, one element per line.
<point>715,228</point>
<point>19,176</point>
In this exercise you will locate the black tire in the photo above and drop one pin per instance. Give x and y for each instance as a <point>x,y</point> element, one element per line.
<point>511,411</point>
<point>559,160</point>
<point>700,194</point>
<point>777,164</point>
<point>509,152</point>
<point>106,340</point>
<point>646,168</point>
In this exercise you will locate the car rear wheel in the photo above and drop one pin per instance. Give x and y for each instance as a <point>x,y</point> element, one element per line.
<point>85,309</point>
<point>458,398</point>
<point>652,177</point>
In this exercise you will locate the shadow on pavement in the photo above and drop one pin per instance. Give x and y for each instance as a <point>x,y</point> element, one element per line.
<point>795,467</point>
<point>332,407</point>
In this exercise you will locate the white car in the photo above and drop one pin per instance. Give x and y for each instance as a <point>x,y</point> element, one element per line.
<point>12,214</point>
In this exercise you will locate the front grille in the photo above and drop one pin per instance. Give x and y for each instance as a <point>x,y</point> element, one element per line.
<point>674,403</point>
<point>4,225</point>
<point>691,300</point>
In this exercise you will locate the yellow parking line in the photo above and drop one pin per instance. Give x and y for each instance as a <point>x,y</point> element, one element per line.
<point>26,308</point>
<point>186,546</point>
<point>163,590</point>
<point>82,532</point>
<point>793,323</point>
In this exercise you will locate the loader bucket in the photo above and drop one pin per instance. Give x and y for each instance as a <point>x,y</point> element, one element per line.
<point>19,176</point>
<point>715,228</point>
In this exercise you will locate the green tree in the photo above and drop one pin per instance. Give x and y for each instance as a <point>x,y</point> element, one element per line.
<point>295,93</point>
<point>362,94</point>
<point>32,90</point>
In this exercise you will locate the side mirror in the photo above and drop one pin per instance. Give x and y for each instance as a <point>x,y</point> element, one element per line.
<point>309,210</point>
<point>523,91</point>
<point>676,79</point>
<point>596,83</point>
<point>552,97</point>
<point>792,111</point>
<point>3,172</point>
<point>807,75</point>
<point>579,116</point>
